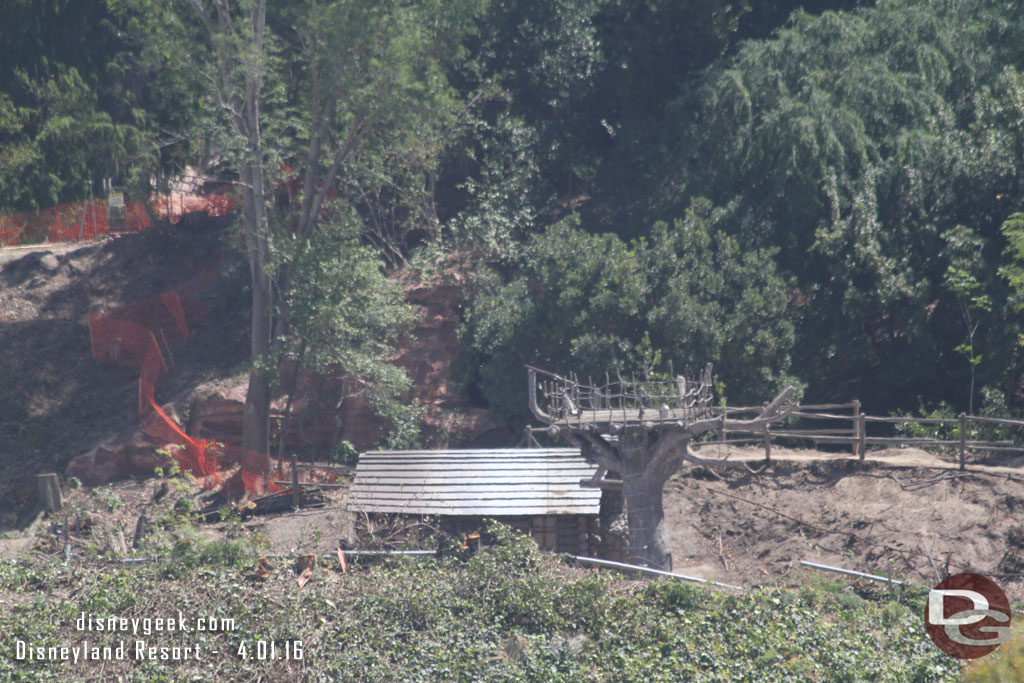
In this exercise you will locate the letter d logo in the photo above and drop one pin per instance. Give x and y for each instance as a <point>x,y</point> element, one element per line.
<point>963,616</point>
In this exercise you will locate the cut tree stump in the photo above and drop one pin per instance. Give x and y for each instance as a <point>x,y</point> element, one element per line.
<point>48,488</point>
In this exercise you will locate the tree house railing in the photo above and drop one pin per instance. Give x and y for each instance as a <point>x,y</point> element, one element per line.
<point>619,401</point>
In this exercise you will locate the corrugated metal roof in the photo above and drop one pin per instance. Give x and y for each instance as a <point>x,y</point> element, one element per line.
<point>487,482</point>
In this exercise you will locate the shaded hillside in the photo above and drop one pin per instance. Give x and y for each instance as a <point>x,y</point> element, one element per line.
<point>60,403</point>
<point>57,401</point>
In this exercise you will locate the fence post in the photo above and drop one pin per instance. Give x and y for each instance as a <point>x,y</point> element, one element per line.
<point>963,441</point>
<point>856,426</point>
<point>862,433</point>
<point>767,444</point>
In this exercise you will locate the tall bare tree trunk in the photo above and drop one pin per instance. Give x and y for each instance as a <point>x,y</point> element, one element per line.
<point>256,418</point>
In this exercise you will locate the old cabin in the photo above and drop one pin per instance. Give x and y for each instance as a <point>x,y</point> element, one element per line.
<point>535,490</point>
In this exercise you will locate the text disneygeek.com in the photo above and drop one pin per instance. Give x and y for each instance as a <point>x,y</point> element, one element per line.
<point>96,643</point>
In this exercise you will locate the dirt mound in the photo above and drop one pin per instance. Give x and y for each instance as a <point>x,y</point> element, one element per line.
<point>57,401</point>
<point>871,516</point>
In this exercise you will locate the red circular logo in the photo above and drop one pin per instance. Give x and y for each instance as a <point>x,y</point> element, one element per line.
<point>967,616</point>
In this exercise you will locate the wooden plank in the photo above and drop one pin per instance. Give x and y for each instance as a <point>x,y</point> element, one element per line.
<point>481,470</point>
<point>557,495</point>
<point>539,465</point>
<point>832,406</point>
<point>996,420</point>
<point>821,416</point>
<point>452,478</point>
<point>609,484</point>
<point>451,485</point>
<point>914,420</point>
<point>421,494</point>
<point>813,436</point>
<point>542,465</point>
<point>48,490</point>
<point>484,454</point>
<point>502,511</point>
<point>473,465</point>
<point>470,492</point>
<point>333,467</point>
<point>472,451</point>
<point>478,483</point>
<point>579,495</point>
<point>368,460</point>
<point>484,501</point>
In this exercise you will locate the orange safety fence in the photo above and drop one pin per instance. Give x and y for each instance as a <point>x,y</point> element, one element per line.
<point>133,335</point>
<point>87,220</point>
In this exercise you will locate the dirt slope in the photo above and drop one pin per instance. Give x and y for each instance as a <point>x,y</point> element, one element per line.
<point>875,516</point>
<point>56,402</point>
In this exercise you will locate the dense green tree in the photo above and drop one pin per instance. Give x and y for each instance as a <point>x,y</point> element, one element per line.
<point>89,90</point>
<point>345,318</point>
<point>330,92</point>
<point>852,142</point>
<point>592,304</point>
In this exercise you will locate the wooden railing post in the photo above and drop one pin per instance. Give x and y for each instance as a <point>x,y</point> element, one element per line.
<point>856,426</point>
<point>767,444</point>
<point>963,441</point>
<point>862,435</point>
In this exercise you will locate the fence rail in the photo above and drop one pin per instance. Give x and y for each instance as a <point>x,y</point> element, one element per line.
<point>856,434</point>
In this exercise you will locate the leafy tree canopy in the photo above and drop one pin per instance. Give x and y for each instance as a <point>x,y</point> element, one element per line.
<point>592,304</point>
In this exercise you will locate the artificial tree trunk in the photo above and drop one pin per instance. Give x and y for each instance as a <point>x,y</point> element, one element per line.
<point>650,444</point>
<point>645,516</point>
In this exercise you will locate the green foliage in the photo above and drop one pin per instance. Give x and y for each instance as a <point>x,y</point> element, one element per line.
<point>107,498</point>
<point>503,200</point>
<point>345,453</point>
<point>191,552</point>
<point>509,613</point>
<point>346,318</point>
<point>591,304</point>
<point>1005,664</point>
<point>1013,231</point>
<point>846,142</point>
<point>82,99</point>
<point>966,250</point>
<point>942,432</point>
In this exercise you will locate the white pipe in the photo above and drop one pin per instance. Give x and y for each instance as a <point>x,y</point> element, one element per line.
<point>850,572</point>
<point>648,570</point>
<point>388,552</point>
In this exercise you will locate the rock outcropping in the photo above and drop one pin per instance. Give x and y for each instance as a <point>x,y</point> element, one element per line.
<point>320,416</point>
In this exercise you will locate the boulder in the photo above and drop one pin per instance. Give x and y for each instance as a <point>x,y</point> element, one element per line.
<point>117,458</point>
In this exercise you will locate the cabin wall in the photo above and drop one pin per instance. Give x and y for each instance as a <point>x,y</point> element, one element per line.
<point>573,534</point>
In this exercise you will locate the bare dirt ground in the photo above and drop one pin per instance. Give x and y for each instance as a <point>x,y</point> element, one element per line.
<point>884,515</point>
<point>15,253</point>
<point>56,402</point>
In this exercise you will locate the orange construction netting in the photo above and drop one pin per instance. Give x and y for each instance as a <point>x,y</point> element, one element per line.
<point>87,220</point>
<point>134,335</point>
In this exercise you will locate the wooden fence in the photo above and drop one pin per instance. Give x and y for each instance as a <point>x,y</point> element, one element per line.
<point>844,423</point>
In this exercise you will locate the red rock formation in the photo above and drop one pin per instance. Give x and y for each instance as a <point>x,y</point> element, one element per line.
<point>317,422</point>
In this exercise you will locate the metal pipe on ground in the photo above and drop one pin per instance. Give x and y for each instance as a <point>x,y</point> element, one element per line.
<point>850,572</point>
<point>654,572</point>
<point>389,552</point>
